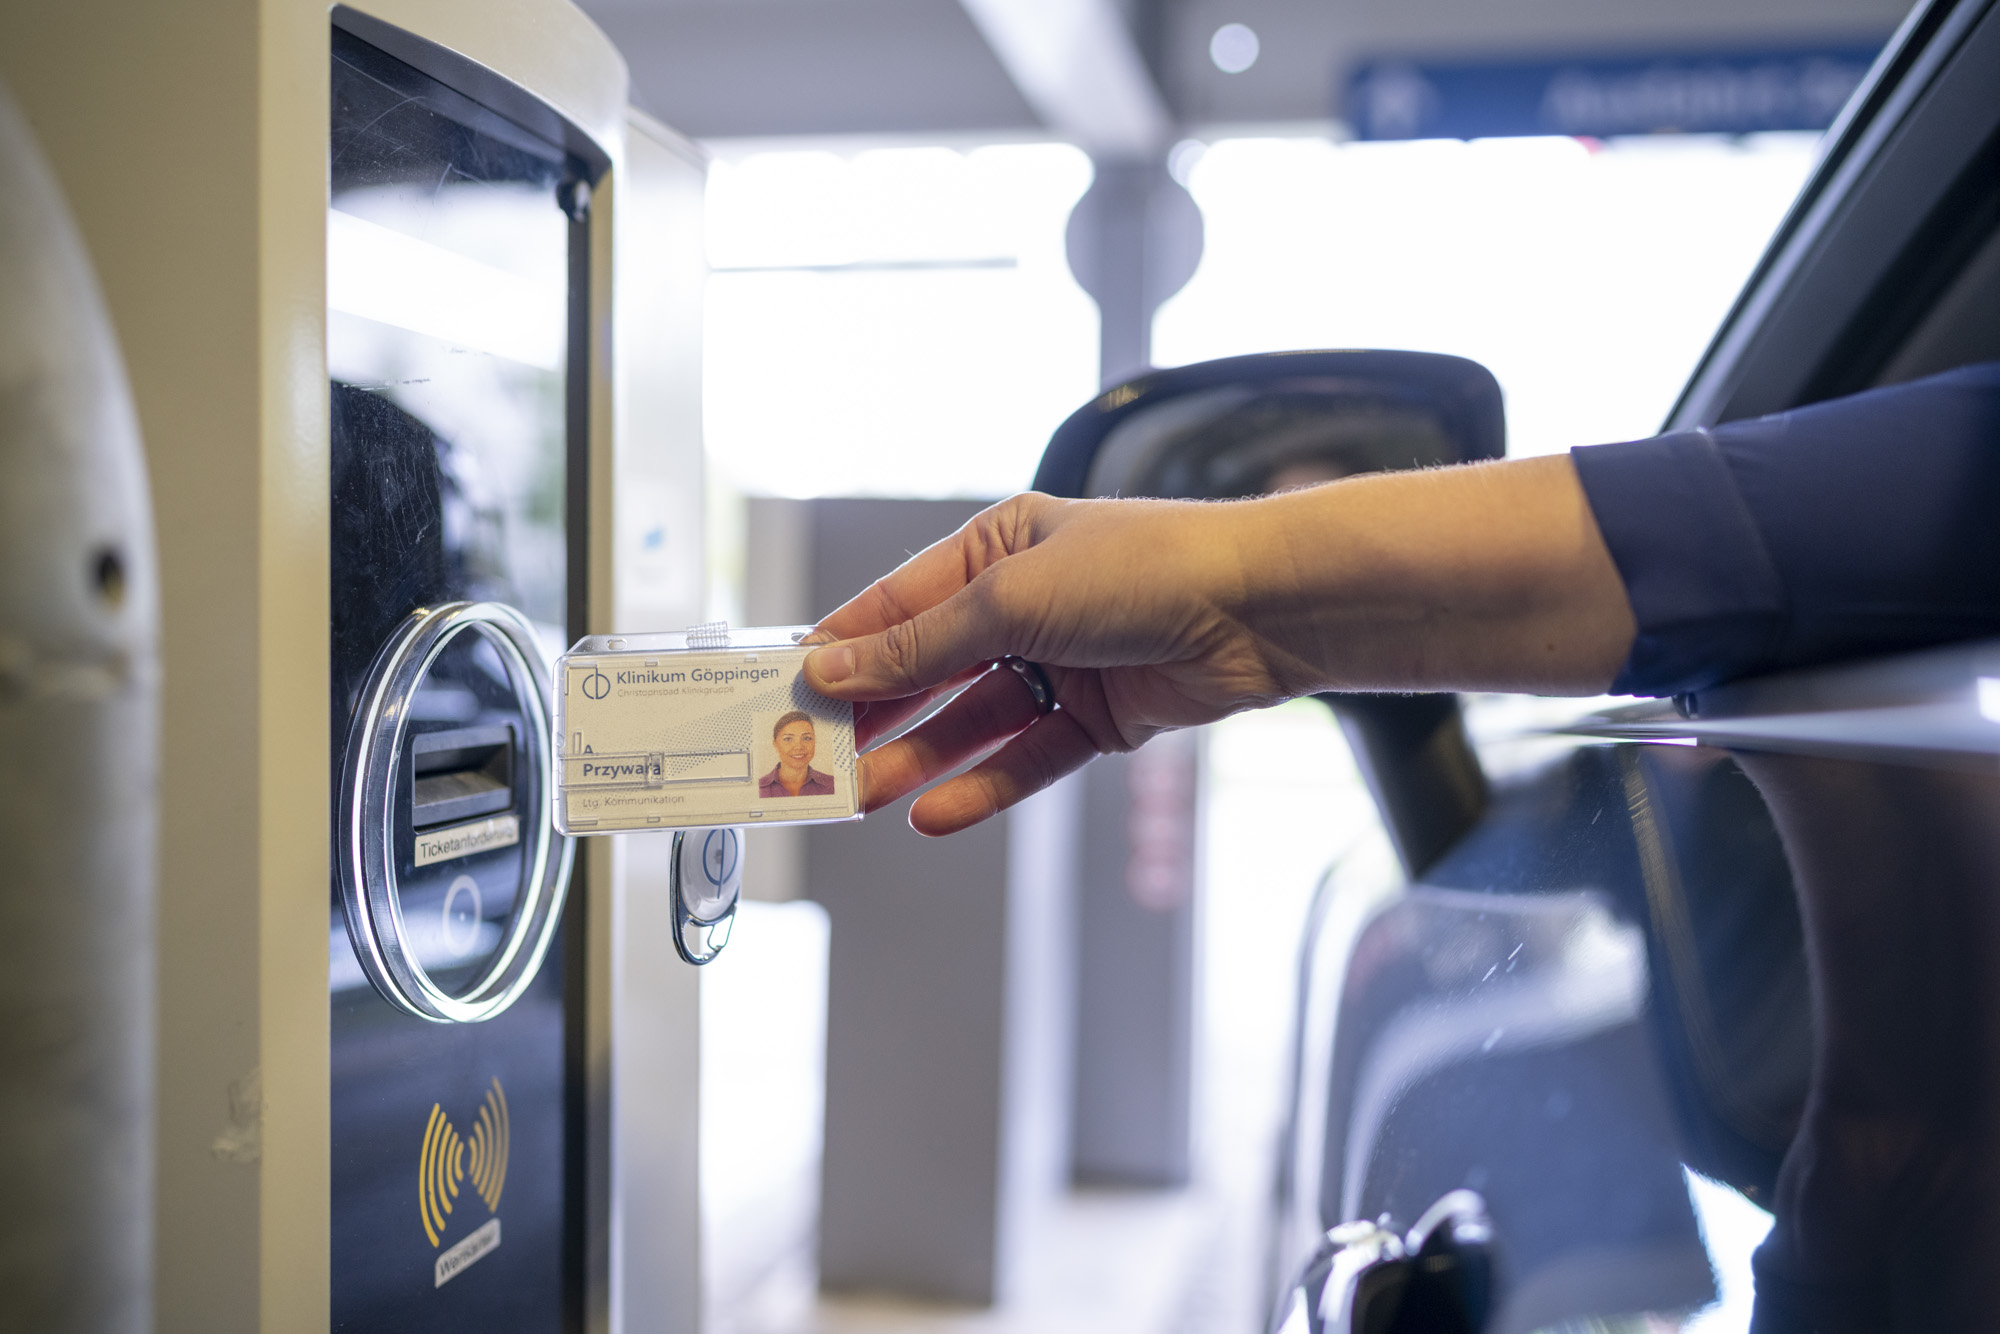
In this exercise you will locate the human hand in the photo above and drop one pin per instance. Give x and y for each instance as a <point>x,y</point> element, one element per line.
<point>1123,603</point>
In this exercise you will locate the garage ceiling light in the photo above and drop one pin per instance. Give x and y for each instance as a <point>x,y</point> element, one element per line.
<point>1233,48</point>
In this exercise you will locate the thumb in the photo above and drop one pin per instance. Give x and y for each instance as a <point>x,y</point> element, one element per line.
<point>931,648</point>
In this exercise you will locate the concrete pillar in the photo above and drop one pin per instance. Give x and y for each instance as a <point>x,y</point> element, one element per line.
<point>1136,977</point>
<point>1134,240</point>
<point>949,1010</point>
<point>947,1047</point>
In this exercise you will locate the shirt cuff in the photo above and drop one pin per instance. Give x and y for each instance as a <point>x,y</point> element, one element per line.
<point>1703,589</point>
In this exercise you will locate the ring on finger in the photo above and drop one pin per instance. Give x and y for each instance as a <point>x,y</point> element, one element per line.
<point>1035,679</point>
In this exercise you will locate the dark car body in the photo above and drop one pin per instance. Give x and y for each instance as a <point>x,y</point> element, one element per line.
<point>1768,955</point>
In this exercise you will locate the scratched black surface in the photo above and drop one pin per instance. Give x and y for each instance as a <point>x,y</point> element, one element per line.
<point>392,477</point>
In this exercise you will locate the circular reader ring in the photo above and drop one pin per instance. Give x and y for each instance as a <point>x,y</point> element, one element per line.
<point>426,962</point>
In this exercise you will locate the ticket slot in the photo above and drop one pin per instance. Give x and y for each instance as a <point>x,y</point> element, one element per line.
<point>460,774</point>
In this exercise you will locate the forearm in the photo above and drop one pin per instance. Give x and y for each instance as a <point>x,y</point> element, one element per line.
<point>1147,615</point>
<point>1485,577</point>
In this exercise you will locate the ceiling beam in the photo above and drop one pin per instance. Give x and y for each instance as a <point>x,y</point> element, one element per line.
<point>1077,65</point>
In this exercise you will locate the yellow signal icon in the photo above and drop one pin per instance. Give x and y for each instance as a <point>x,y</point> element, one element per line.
<point>442,1164</point>
<point>489,1148</point>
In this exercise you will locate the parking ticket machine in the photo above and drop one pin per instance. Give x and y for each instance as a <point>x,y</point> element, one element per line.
<point>457,241</point>
<point>403,287</point>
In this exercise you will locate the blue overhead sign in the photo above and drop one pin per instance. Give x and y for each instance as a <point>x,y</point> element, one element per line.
<point>1711,93</point>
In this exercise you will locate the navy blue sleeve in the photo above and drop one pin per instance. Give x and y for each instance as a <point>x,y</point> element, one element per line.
<point>1858,526</point>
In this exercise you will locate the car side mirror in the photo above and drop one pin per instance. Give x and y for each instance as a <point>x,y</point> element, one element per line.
<point>1274,421</point>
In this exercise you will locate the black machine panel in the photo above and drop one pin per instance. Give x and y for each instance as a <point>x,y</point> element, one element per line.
<point>451,292</point>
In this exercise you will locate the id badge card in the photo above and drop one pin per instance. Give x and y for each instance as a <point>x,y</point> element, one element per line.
<point>710,726</point>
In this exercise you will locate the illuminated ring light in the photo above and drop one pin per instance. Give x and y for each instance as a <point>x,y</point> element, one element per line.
<point>365,852</point>
<point>448,1159</point>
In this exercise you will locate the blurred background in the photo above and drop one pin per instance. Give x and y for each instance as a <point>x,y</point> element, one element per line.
<point>937,227</point>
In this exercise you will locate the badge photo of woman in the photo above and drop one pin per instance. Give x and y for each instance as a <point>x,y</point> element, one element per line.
<point>794,776</point>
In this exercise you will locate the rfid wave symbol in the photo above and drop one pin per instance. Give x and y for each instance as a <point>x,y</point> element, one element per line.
<point>443,1164</point>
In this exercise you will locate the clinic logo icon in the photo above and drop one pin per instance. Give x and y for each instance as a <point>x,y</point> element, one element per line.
<point>449,1160</point>
<point>597,685</point>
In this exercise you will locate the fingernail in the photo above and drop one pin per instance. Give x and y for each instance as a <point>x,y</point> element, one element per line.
<point>832,665</point>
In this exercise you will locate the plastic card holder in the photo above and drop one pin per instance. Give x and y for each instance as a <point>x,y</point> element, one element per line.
<point>711,726</point>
